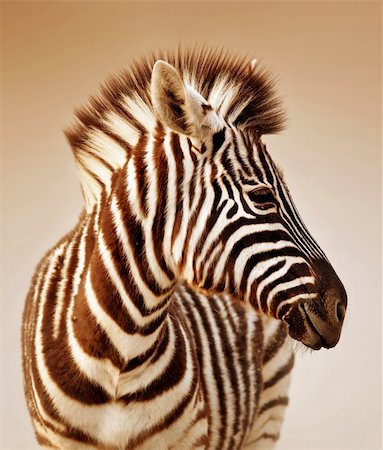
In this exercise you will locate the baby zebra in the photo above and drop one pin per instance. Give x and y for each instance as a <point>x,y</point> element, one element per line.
<point>162,320</point>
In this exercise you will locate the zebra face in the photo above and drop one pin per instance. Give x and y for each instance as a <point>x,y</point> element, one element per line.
<point>245,237</point>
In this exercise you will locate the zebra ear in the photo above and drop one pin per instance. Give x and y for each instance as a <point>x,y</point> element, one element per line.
<point>179,106</point>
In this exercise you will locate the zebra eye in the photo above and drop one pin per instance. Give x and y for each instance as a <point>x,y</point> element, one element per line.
<point>263,197</point>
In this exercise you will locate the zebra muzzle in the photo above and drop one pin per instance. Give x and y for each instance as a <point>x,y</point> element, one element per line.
<point>328,330</point>
<point>314,325</point>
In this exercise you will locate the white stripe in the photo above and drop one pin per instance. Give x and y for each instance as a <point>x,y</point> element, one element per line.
<point>280,273</point>
<point>171,190</point>
<point>125,344</point>
<point>123,129</point>
<point>245,254</point>
<point>130,382</point>
<point>207,365</point>
<point>58,441</point>
<point>252,320</point>
<point>151,300</point>
<point>288,285</point>
<point>221,96</point>
<point>259,269</point>
<point>206,265</point>
<point>102,172</point>
<point>270,329</point>
<point>132,190</point>
<point>153,194</point>
<point>43,416</point>
<point>223,369</point>
<point>176,436</point>
<point>238,364</point>
<point>239,233</point>
<point>90,187</point>
<point>132,309</point>
<point>100,371</point>
<point>179,243</point>
<point>108,422</point>
<point>200,224</point>
<point>62,285</point>
<point>80,259</point>
<point>296,298</point>
<point>259,164</point>
<point>140,111</point>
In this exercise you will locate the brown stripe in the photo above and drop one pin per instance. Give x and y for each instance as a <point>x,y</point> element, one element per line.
<point>178,156</point>
<point>200,416</point>
<point>107,296</point>
<point>241,343</point>
<point>280,401</point>
<point>171,376</point>
<point>42,440</point>
<point>137,243</point>
<point>107,292</point>
<point>295,271</point>
<point>158,227</point>
<point>167,421</point>
<point>202,441</point>
<point>91,174</point>
<point>68,291</point>
<point>281,373</point>
<point>32,370</point>
<point>128,117</point>
<point>193,181</point>
<point>222,400</point>
<point>257,347</point>
<point>238,156</point>
<point>275,342</point>
<point>227,352</point>
<point>307,288</point>
<point>59,361</point>
<point>85,325</point>
<point>195,338</point>
<point>139,154</point>
<point>32,374</point>
<point>273,437</point>
<point>118,139</point>
<point>153,353</point>
<point>193,219</point>
<point>258,174</point>
<point>215,213</point>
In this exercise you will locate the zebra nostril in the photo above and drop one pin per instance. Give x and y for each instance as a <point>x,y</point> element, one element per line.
<point>340,311</point>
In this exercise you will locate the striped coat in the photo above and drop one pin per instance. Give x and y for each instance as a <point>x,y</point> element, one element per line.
<point>161,321</point>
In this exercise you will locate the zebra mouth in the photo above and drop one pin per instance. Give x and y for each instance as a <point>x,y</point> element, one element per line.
<point>302,328</point>
<point>315,340</point>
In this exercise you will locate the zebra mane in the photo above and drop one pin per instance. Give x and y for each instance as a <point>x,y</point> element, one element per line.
<point>111,124</point>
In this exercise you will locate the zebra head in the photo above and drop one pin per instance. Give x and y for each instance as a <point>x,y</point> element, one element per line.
<point>237,229</point>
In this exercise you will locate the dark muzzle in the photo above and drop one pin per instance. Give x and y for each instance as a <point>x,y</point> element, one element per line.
<point>318,322</point>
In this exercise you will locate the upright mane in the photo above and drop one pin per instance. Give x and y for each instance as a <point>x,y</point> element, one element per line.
<point>112,123</point>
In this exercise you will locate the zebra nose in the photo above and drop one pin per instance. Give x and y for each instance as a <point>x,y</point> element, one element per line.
<point>340,311</point>
<point>325,317</point>
<point>328,311</point>
<point>335,303</point>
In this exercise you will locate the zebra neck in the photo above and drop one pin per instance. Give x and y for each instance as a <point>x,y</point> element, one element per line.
<point>127,283</point>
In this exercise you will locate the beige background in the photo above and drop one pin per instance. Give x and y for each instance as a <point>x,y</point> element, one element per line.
<point>327,56</point>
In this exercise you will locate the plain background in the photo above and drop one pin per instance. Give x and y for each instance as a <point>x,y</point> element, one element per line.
<point>328,59</point>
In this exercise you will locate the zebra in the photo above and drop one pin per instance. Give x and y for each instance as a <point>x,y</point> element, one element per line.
<point>164,319</point>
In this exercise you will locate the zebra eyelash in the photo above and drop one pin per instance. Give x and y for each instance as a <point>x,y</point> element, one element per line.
<point>263,196</point>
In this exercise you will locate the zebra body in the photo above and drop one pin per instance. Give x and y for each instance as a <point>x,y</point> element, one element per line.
<point>224,355</point>
<point>161,320</point>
